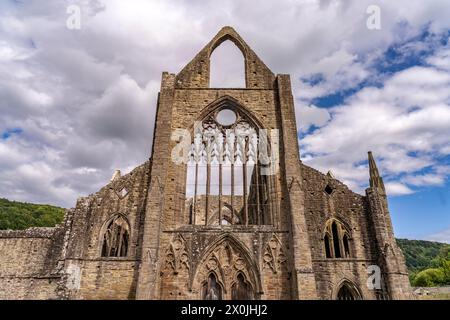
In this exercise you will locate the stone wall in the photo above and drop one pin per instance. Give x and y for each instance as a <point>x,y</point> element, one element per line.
<point>88,274</point>
<point>194,251</point>
<point>65,262</point>
<point>28,263</point>
<point>349,208</point>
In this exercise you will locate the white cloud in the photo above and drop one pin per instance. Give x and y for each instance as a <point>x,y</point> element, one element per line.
<point>441,59</point>
<point>312,116</point>
<point>340,71</point>
<point>425,180</point>
<point>82,94</point>
<point>397,188</point>
<point>443,236</point>
<point>405,123</point>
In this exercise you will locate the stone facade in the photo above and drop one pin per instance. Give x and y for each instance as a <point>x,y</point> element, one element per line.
<point>294,233</point>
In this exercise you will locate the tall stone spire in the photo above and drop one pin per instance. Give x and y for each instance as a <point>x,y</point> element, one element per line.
<point>376,181</point>
<point>390,257</point>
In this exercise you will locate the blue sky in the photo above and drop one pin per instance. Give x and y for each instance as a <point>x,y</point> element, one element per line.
<point>424,213</point>
<point>78,104</point>
<point>8,132</point>
<point>420,210</point>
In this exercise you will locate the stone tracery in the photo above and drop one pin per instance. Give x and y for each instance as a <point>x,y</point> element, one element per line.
<point>232,269</point>
<point>274,256</point>
<point>115,239</point>
<point>229,160</point>
<point>176,258</point>
<point>336,240</point>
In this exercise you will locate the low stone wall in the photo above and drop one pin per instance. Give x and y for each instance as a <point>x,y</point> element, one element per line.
<point>27,258</point>
<point>432,293</point>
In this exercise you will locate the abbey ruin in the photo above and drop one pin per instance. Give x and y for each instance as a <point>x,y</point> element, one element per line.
<point>239,216</point>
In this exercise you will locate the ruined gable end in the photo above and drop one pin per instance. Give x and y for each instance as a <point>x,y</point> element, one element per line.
<point>224,209</point>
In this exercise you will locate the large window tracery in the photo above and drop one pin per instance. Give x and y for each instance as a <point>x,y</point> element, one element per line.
<point>336,240</point>
<point>227,171</point>
<point>116,238</point>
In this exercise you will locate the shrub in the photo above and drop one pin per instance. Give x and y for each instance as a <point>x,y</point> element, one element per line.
<point>429,278</point>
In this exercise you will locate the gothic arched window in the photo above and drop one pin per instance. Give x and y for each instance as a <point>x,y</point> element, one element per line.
<point>116,238</point>
<point>348,292</point>
<point>211,288</point>
<point>241,290</point>
<point>227,66</point>
<point>229,162</point>
<point>336,240</point>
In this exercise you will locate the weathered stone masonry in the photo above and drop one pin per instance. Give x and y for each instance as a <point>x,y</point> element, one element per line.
<point>292,234</point>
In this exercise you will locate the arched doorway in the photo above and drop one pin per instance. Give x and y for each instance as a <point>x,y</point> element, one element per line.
<point>227,272</point>
<point>348,291</point>
<point>211,289</point>
<point>241,289</point>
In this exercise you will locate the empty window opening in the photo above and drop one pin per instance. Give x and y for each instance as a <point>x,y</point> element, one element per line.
<point>191,213</point>
<point>337,249</point>
<point>347,293</point>
<point>241,290</point>
<point>328,189</point>
<point>346,246</point>
<point>336,240</point>
<point>227,67</point>
<point>227,169</point>
<point>116,238</point>
<point>228,217</point>
<point>226,117</point>
<point>211,289</point>
<point>327,246</point>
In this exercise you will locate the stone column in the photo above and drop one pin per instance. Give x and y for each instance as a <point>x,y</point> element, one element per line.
<point>161,156</point>
<point>305,286</point>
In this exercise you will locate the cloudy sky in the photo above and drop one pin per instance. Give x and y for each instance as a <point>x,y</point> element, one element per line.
<point>75,104</point>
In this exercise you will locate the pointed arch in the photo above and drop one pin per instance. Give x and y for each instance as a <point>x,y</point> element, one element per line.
<point>212,289</point>
<point>155,185</point>
<point>227,257</point>
<point>347,290</point>
<point>228,213</point>
<point>337,239</point>
<point>114,238</point>
<point>233,38</point>
<point>228,102</point>
<point>241,289</point>
<point>231,160</point>
<point>176,256</point>
<point>196,73</point>
<point>344,225</point>
<point>274,255</point>
<point>227,66</point>
<point>229,34</point>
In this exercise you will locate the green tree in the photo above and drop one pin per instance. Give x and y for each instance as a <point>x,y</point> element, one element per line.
<point>17,215</point>
<point>429,278</point>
